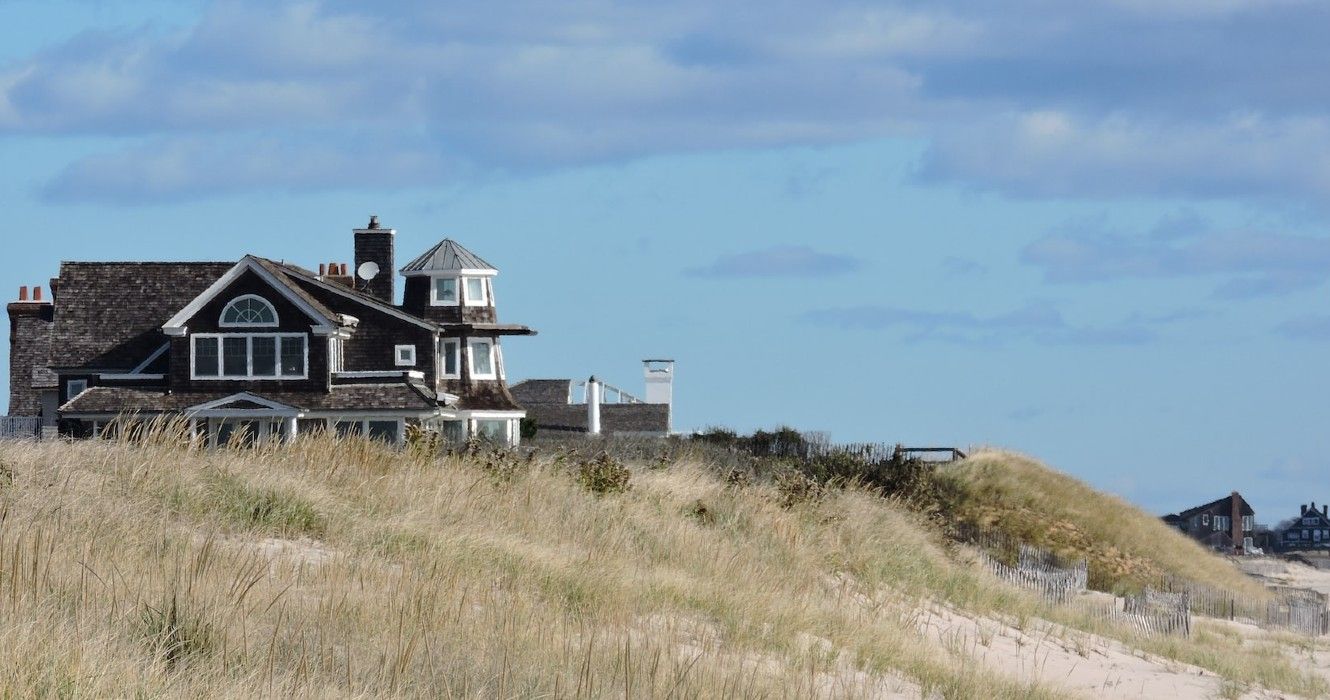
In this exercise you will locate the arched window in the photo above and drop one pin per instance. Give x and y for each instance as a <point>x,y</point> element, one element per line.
<point>249,311</point>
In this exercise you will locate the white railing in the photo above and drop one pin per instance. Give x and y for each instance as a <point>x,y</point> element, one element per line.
<point>19,427</point>
<point>620,396</point>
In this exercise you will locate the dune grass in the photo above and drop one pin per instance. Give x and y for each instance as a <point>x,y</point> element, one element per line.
<point>337,569</point>
<point>1126,547</point>
<point>344,569</point>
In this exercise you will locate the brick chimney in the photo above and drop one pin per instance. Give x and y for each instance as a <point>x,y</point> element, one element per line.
<point>1235,525</point>
<point>30,320</point>
<point>374,244</point>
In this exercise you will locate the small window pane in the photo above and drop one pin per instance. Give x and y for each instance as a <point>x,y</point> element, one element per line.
<point>235,357</point>
<point>265,357</point>
<point>293,356</point>
<point>445,290</point>
<point>385,430</point>
<point>482,360</point>
<point>475,290</point>
<point>205,357</point>
<point>450,357</point>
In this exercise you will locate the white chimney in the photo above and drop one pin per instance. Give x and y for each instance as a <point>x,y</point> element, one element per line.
<point>593,406</point>
<point>660,385</point>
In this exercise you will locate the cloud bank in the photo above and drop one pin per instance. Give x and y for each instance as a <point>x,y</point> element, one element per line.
<point>1094,99</point>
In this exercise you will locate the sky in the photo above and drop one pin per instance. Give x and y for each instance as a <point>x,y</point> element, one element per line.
<point>1092,232</point>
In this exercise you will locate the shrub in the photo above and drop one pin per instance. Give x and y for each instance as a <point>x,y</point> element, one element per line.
<point>528,428</point>
<point>794,487</point>
<point>699,512</point>
<point>603,475</point>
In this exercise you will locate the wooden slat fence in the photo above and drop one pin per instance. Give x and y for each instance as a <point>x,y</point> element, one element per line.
<point>1299,611</point>
<point>19,427</point>
<point>1036,570</point>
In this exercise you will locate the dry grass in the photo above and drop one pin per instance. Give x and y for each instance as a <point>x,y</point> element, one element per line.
<point>1126,547</point>
<point>342,569</point>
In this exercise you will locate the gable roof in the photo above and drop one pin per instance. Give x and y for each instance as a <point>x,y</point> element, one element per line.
<point>1244,508</point>
<point>447,255</point>
<point>299,275</point>
<point>543,391</point>
<point>108,315</point>
<point>268,272</point>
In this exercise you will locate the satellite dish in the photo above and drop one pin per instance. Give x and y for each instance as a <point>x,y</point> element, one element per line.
<point>367,270</point>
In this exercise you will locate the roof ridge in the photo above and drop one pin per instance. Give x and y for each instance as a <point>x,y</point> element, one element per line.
<point>447,254</point>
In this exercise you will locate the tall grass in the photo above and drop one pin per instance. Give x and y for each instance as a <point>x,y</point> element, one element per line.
<point>145,566</point>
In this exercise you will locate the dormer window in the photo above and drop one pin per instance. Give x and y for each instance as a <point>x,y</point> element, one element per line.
<point>249,311</point>
<point>445,291</point>
<point>476,291</point>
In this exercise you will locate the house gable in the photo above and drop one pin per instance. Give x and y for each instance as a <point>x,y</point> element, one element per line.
<point>250,276</point>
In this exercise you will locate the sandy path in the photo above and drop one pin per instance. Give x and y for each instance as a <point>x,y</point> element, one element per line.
<point>1082,663</point>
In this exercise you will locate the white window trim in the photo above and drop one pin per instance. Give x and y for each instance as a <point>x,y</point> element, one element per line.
<point>471,359</point>
<point>484,299</point>
<point>457,358</point>
<point>249,361</point>
<point>434,290</point>
<point>409,360</point>
<point>82,384</point>
<point>221,323</point>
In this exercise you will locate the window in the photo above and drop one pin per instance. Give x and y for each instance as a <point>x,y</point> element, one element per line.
<point>1291,535</point>
<point>453,431</point>
<point>382,430</point>
<point>1205,519</point>
<point>445,291</point>
<point>74,387</point>
<point>1222,523</point>
<point>475,291</point>
<point>493,430</point>
<point>1248,524</point>
<point>481,354</point>
<point>249,356</point>
<point>387,430</point>
<point>249,311</point>
<point>405,355</point>
<point>450,348</point>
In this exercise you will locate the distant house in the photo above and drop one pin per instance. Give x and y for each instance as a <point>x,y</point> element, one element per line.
<point>566,406</point>
<point>1227,524</point>
<point>1310,530</point>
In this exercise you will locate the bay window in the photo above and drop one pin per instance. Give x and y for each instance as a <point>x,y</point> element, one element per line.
<point>249,356</point>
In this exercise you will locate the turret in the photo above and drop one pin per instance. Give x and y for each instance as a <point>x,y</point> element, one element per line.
<point>450,284</point>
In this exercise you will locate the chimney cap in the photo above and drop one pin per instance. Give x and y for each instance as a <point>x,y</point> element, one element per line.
<point>373,221</point>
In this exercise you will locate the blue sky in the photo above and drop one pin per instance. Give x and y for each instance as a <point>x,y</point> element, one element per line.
<point>1093,232</point>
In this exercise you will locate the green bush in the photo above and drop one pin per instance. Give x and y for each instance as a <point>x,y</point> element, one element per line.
<point>603,475</point>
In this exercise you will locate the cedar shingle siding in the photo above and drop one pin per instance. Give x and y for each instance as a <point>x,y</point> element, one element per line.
<point>108,319</point>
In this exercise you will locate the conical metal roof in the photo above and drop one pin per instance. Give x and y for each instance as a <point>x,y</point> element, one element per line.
<point>447,255</point>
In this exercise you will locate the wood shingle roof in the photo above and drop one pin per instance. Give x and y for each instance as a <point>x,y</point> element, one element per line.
<point>109,314</point>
